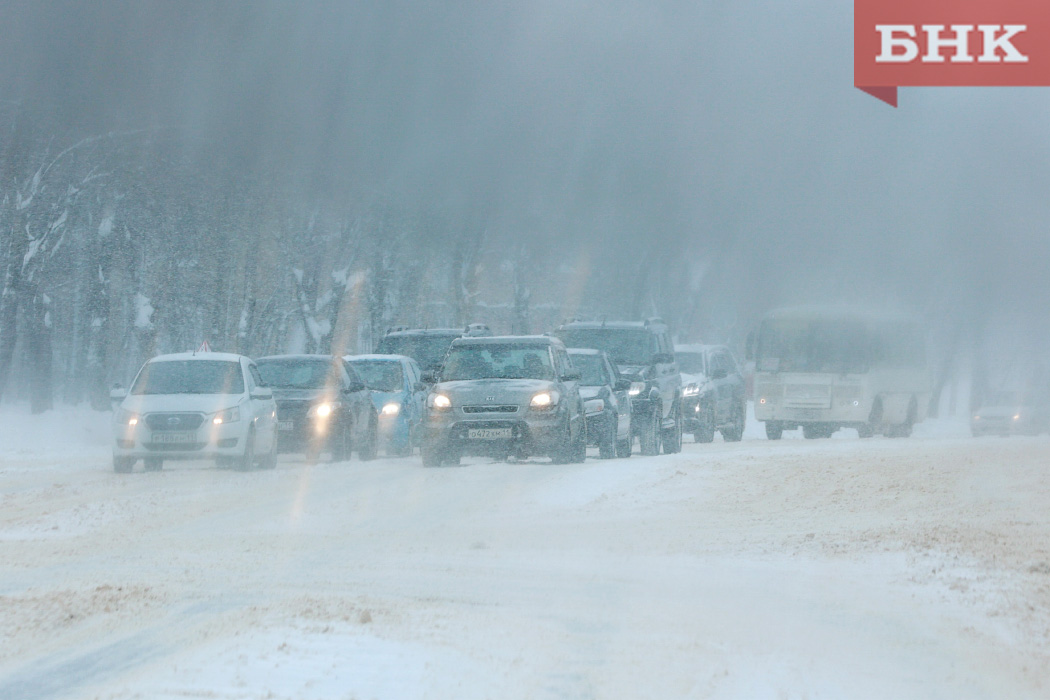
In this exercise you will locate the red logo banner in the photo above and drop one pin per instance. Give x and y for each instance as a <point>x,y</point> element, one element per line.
<point>933,43</point>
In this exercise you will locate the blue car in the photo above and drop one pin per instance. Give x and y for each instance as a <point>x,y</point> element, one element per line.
<point>398,393</point>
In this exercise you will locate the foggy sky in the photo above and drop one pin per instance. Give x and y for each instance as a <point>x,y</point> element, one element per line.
<point>726,130</point>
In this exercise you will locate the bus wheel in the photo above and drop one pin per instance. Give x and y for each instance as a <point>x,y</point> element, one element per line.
<point>774,431</point>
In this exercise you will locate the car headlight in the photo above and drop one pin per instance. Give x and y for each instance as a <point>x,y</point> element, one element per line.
<point>636,388</point>
<point>439,402</point>
<point>391,409</point>
<point>324,410</point>
<point>691,390</point>
<point>127,418</point>
<point>1017,416</point>
<point>545,399</point>
<point>230,415</point>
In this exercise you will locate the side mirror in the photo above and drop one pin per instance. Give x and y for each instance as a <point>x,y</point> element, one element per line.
<point>622,385</point>
<point>719,374</point>
<point>430,377</point>
<point>262,393</point>
<point>419,386</point>
<point>571,376</point>
<point>663,358</point>
<point>117,393</point>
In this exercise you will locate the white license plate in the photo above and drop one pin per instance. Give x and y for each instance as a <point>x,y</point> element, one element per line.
<point>173,438</point>
<point>489,433</point>
<point>285,425</point>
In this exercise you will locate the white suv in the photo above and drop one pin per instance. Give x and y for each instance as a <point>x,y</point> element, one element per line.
<point>206,405</point>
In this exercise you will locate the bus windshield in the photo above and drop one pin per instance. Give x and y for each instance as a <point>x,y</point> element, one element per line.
<point>813,346</point>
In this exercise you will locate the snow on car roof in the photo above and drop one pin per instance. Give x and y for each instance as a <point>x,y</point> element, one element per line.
<point>214,356</point>
<point>374,357</point>
<point>327,358</point>
<point>585,351</point>
<point>507,340</point>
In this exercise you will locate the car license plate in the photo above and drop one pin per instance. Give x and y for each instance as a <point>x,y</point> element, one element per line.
<point>286,425</point>
<point>173,438</point>
<point>489,433</point>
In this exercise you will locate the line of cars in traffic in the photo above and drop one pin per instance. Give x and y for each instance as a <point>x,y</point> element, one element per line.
<point>449,392</point>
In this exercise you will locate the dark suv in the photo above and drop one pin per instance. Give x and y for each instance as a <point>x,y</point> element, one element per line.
<point>427,346</point>
<point>715,394</point>
<point>643,353</point>
<point>504,396</point>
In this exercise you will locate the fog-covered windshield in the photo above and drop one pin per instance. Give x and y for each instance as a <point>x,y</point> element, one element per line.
<point>623,346</point>
<point>380,375</point>
<point>296,373</point>
<point>190,377</point>
<point>592,369</point>
<point>497,362</point>
<point>690,362</point>
<point>427,350</point>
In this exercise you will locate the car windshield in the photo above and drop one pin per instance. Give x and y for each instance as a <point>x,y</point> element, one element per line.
<point>190,377</point>
<point>296,373</point>
<point>623,346</point>
<point>428,350</point>
<point>690,362</point>
<point>814,346</point>
<point>592,369</point>
<point>497,362</point>
<point>380,375</point>
<point>1009,398</point>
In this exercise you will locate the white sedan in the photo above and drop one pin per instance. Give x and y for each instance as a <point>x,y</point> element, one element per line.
<point>195,406</point>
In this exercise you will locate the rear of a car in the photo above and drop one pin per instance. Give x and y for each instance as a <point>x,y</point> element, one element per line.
<point>186,407</point>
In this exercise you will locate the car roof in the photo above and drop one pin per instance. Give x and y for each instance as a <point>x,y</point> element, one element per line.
<point>610,325</point>
<point>378,357</point>
<point>585,351</point>
<point>425,331</point>
<point>325,358</point>
<point>213,356</point>
<point>537,340</point>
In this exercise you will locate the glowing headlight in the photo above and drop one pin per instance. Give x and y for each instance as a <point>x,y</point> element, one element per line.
<point>391,409</point>
<point>636,388</point>
<point>691,390</point>
<point>133,421</point>
<point>545,399</point>
<point>230,415</point>
<point>1017,417</point>
<point>324,410</point>
<point>439,401</point>
<point>127,418</point>
<point>762,401</point>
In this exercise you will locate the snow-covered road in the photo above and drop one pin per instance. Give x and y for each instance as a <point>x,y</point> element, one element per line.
<point>827,569</point>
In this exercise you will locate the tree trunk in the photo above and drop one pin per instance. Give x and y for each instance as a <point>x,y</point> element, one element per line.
<point>11,295</point>
<point>38,341</point>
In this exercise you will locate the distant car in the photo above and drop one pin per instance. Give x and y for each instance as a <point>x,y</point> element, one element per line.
<point>714,396</point>
<point>503,396</point>
<point>644,354</point>
<point>195,406</point>
<point>427,346</point>
<point>322,406</point>
<point>398,395</point>
<point>605,401</point>
<point>1011,413</point>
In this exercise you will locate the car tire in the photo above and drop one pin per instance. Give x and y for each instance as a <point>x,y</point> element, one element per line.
<point>247,461</point>
<point>431,454</point>
<point>369,448</point>
<point>607,447</point>
<point>649,437</point>
<point>624,448</point>
<point>269,461</point>
<point>706,431</point>
<point>671,439</point>
<point>342,443</point>
<point>153,464</point>
<point>774,431</point>
<point>579,446</point>
<point>736,433</point>
<point>123,465</point>
<point>563,450</point>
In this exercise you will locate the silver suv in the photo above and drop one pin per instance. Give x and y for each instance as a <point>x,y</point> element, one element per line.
<point>503,396</point>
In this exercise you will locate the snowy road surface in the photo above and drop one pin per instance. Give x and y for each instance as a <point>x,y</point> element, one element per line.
<point>798,569</point>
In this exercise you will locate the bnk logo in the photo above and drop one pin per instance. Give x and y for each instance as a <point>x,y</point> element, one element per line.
<point>949,43</point>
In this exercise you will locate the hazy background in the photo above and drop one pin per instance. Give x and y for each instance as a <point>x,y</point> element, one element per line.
<point>704,161</point>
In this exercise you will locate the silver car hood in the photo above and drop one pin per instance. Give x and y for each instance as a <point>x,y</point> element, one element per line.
<point>479,392</point>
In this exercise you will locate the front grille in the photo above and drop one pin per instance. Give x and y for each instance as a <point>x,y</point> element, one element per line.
<point>174,447</point>
<point>292,410</point>
<point>174,421</point>
<point>490,409</point>
<point>807,395</point>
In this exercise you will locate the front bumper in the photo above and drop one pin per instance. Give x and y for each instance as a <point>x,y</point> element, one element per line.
<point>526,433</point>
<point>206,442</point>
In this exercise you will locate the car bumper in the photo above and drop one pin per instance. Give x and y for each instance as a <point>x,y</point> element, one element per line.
<point>541,434</point>
<point>206,442</point>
